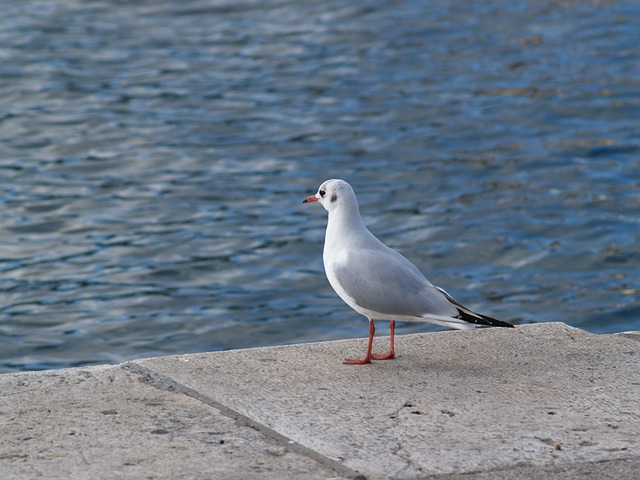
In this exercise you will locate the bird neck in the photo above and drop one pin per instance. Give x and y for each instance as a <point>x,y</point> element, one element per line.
<point>345,225</point>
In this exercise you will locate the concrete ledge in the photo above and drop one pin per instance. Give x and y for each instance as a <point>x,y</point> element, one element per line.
<point>541,401</point>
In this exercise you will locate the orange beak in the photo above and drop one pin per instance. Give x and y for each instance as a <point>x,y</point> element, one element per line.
<point>312,198</point>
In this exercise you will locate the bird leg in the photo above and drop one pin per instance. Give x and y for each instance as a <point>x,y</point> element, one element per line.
<point>392,351</point>
<point>367,357</point>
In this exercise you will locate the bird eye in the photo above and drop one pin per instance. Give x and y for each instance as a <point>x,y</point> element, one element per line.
<point>322,193</point>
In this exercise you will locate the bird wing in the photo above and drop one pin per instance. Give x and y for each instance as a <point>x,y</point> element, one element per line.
<point>381,280</point>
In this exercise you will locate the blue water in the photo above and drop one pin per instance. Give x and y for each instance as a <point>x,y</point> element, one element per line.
<point>154,156</point>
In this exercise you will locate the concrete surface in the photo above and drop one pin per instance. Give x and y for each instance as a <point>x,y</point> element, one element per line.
<point>541,401</point>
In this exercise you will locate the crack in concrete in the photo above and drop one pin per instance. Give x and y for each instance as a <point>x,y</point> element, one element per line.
<point>162,382</point>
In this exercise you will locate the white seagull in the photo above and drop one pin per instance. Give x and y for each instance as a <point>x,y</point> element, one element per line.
<point>378,282</point>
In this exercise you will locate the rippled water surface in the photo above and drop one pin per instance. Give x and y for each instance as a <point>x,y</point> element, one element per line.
<point>154,154</point>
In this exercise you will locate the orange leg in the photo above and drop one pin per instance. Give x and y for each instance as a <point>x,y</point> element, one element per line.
<point>367,357</point>
<point>392,350</point>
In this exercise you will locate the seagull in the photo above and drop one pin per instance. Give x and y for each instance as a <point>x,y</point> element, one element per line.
<point>378,282</point>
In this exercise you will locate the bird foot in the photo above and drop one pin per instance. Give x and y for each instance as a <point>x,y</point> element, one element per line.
<point>385,356</point>
<point>360,361</point>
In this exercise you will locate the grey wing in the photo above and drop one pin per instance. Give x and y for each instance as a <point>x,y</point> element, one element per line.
<point>383,281</point>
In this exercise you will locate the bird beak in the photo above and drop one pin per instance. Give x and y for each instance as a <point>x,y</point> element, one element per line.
<point>312,198</point>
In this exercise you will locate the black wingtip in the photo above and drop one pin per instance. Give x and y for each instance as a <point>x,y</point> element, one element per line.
<point>479,319</point>
<point>472,317</point>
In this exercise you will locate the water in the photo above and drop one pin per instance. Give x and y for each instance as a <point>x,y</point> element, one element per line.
<point>154,154</point>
